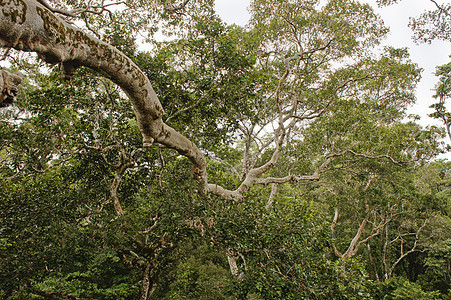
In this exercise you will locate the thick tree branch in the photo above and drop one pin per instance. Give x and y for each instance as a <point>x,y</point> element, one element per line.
<point>252,176</point>
<point>30,26</point>
<point>355,243</point>
<point>332,234</point>
<point>27,25</point>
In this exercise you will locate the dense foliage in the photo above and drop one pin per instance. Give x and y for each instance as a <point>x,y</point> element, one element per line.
<point>87,213</point>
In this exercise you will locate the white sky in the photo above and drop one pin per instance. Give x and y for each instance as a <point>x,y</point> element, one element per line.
<point>396,17</point>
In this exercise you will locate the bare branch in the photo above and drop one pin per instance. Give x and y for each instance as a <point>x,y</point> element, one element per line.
<point>398,163</point>
<point>184,109</point>
<point>218,159</point>
<point>411,250</point>
<point>289,178</point>
<point>354,245</point>
<point>441,9</point>
<point>177,9</point>
<point>245,161</point>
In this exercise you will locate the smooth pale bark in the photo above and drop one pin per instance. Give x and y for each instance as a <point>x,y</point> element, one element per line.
<point>27,25</point>
<point>402,253</point>
<point>354,244</point>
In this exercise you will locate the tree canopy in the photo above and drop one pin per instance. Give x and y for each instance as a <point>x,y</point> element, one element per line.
<point>271,161</point>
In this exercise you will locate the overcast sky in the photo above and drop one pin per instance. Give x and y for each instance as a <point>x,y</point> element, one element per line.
<point>427,56</point>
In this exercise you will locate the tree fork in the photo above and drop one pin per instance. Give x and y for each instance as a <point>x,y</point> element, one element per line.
<point>27,25</point>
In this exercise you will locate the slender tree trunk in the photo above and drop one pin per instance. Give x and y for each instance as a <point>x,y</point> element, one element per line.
<point>274,189</point>
<point>234,269</point>
<point>233,265</point>
<point>114,187</point>
<point>148,286</point>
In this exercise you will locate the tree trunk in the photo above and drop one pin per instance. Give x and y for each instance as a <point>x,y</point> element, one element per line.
<point>148,286</point>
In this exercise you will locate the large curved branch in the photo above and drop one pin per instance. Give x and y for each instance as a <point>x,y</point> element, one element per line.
<point>27,25</point>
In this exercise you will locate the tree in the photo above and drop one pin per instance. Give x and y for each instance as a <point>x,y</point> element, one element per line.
<point>432,25</point>
<point>442,94</point>
<point>23,27</point>
<point>8,86</point>
<point>299,96</point>
<point>435,25</point>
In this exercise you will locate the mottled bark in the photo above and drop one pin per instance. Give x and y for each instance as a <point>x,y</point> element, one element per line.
<point>27,25</point>
<point>113,189</point>
<point>233,265</point>
<point>8,87</point>
<point>148,287</point>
